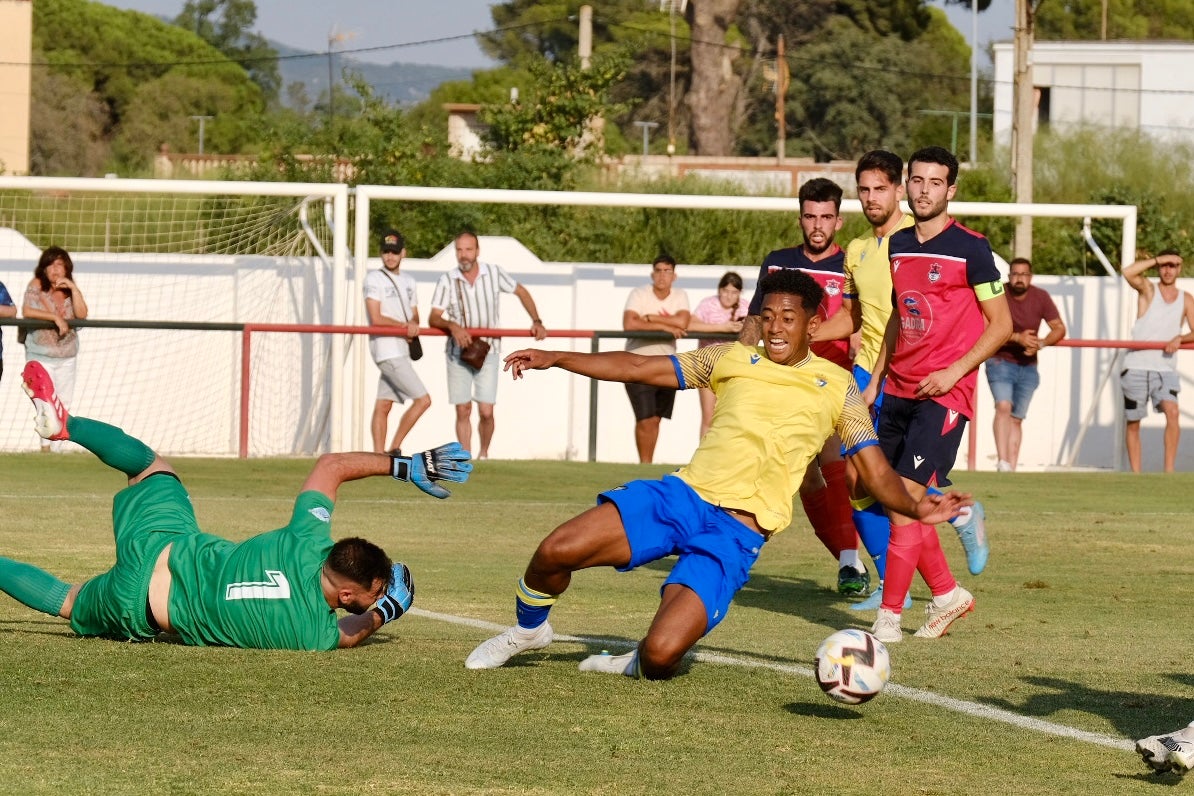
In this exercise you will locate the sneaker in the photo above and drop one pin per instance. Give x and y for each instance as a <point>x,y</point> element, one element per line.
<point>625,664</point>
<point>1174,751</point>
<point>1003,466</point>
<point>853,582</point>
<point>973,534</point>
<point>876,599</point>
<point>50,420</point>
<point>938,619</point>
<point>496,651</point>
<point>887,627</point>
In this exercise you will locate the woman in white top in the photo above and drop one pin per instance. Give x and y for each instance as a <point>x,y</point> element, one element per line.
<point>721,313</point>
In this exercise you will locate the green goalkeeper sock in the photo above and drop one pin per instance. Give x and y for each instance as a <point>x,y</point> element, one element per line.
<point>113,447</point>
<point>33,587</point>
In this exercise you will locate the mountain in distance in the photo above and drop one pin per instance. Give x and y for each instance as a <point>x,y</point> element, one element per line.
<point>402,83</point>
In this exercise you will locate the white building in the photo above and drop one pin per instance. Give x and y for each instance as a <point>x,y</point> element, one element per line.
<point>1147,86</point>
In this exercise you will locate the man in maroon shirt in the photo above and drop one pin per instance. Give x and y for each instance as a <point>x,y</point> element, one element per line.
<point>1012,372</point>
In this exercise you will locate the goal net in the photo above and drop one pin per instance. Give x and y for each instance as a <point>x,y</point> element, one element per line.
<point>166,260</point>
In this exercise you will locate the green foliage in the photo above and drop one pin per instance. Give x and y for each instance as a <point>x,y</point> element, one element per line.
<point>563,101</point>
<point>1171,20</point>
<point>116,60</point>
<point>227,26</point>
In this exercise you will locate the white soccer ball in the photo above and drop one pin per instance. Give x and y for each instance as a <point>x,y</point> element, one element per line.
<point>852,666</point>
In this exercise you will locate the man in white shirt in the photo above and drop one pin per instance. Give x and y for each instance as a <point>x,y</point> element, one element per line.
<point>657,307</point>
<point>391,300</point>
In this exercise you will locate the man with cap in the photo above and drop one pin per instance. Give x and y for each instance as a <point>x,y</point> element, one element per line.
<point>391,300</point>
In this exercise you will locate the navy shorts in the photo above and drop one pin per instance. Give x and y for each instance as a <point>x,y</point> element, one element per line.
<point>920,438</point>
<point>666,517</point>
<point>648,401</point>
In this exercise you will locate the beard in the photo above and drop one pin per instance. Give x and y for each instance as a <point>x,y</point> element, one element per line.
<point>1017,290</point>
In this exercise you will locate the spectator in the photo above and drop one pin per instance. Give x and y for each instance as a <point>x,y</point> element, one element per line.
<point>468,297</point>
<point>391,299</point>
<point>1012,371</point>
<point>721,313</point>
<point>52,295</point>
<point>654,308</point>
<point>1150,375</point>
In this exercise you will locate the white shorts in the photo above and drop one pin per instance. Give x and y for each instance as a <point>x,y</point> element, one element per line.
<point>398,381</point>
<point>466,385</point>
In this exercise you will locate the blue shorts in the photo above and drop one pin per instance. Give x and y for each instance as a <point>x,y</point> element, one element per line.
<point>466,385</point>
<point>862,377</point>
<point>666,517</point>
<point>1012,383</point>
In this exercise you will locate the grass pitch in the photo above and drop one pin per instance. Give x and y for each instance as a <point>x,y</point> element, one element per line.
<point>1079,643</point>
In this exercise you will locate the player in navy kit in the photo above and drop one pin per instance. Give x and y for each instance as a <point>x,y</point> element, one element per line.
<point>950,314</point>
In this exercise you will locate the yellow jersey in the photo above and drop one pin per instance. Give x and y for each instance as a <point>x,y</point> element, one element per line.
<point>769,423</point>
<point>868,282</point>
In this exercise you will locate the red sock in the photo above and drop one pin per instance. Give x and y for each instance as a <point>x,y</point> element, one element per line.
<point>816,508</point>
<point>903,551</point>
<point>837,500</point>
<point>932,564</point>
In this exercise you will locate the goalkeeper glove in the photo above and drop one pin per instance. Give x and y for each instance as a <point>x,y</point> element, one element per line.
<point>398,597</point>
<point>446,463</point>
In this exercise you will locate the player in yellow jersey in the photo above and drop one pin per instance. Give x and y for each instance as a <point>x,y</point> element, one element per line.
<point>866,307</point>
<point>775,408</point>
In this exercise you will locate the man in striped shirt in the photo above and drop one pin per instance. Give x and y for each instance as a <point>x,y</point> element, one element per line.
<point>468,297</point>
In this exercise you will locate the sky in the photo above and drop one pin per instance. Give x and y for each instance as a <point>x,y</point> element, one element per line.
<point>384,31</point>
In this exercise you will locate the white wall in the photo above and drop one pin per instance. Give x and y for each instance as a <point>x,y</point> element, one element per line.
<point>180,390</point>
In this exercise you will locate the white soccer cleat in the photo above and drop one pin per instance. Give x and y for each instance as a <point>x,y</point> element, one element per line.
<point>938,619</point>
<point>50,420</point>
<point>1174,751</point>
<point>887,627</point>
<point>626,664</point>
<point>496,651</point>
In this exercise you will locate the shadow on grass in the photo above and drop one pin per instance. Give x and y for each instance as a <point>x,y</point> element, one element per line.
<point>1164,778</point>
<point>1134,714</point>
<point>821,710</point>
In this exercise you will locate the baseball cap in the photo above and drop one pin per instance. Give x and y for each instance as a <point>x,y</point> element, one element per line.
<point>392,241</point>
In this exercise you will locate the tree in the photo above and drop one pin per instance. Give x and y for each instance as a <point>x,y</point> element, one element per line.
<point>226,25</point>
<point>714,98</point>
<point>1171,20</point>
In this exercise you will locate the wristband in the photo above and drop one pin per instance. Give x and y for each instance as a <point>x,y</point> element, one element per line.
<point>400,467</point>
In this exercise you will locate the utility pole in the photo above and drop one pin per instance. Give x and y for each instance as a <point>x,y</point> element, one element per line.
<point>973,83</point>
<point>584,45</point>
<point>1023,122</point>
<point>201,120</point>
<point>781,88</point>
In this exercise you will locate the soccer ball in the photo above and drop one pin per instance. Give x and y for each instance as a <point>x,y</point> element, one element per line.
<point>852,666</point>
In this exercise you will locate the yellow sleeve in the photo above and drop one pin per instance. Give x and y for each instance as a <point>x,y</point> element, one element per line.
<point>854,426</point>
<point>695,368</point>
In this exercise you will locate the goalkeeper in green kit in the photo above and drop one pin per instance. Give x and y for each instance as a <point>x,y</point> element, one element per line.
<point>277,590</point>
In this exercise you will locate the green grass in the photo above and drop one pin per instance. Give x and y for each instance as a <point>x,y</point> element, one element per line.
<point>1079,622</point>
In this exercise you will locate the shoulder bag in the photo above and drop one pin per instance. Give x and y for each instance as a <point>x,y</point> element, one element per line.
<point>475,352</point>
<point>416,345</point>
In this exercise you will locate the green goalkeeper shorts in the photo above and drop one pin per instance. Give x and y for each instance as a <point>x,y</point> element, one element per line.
<point>146,517</point>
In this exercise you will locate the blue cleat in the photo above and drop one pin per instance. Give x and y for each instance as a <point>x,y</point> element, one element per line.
<point>873,602</point>
<point>973,534</point>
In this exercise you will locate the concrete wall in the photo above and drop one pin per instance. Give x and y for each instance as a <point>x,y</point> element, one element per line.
<point>16,46</point>
<point>180,390</point>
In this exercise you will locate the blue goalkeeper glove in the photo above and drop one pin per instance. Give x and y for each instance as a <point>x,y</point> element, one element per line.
<point>446,463</point>
<point>398,597</point>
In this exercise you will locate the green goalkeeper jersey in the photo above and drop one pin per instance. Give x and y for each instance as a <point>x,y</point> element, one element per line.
<point>262,593</point>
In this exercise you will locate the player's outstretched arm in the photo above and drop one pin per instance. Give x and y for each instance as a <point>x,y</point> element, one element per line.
<point>888,488</point>
<point>624,366</point>
<point>446,463</point>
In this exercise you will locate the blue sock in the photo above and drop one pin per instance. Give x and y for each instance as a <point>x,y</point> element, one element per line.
<point>531,606</point>
<point>874,530</point>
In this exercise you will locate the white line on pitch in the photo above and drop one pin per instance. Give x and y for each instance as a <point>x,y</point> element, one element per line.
<point>928,697</point>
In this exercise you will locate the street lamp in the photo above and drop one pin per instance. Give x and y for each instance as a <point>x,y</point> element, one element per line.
<point>201,120</point>
<point>647,128</point>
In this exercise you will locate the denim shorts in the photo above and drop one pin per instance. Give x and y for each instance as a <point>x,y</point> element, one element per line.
<point>1013,383</point>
